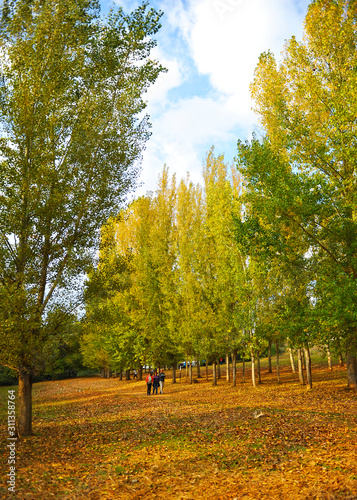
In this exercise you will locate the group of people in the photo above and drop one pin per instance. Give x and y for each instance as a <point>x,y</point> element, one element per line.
<point>155,380</point>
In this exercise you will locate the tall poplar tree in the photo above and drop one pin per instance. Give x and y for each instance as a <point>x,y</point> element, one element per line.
<point>71,90</point>
<point>222,206</point>
<point>305,169</point>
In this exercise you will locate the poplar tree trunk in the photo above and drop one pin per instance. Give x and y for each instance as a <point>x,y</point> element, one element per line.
<point>121,375</point>
<point>258,369</point>
<point>253,369</point>
<point>25,403</point>
<point>329,360</point>
<point>227,368</point>
<point>127,375</point>
<point>186,366</point>
<point>308,367</point>
<point>351,371</point>
<point>301,367</point>
<point>174,373</point>
<point>190,373</point>
<point>340,359</point>
<point>277,362</point>
<point>234,368</point>
<point>198,369</point>
<point>243,371</point>
<point>292,361</point>
<point>270,370</point>
<point>214,382</point>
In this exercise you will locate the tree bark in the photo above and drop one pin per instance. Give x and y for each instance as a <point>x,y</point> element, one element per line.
<point>277,362</point>
<point>186,366</point>
<point>308,367</point>
<point>329,360</point>
<point>174,373</point>
<point>190,373</point>
<point>292,361</point>
<point>258,369</point>
<point>227,368</point>
<point>121,375</point>
<point>270,370</point>
<point>243,371</point>
<point>340,359</point>
<point>25,403</point>
<point>301,367</point>
<point>198,368</point>
<point>214,381</point>
<point>253,369</point>
<point>234,367</point>
<point>351,361</point>
<point>127,375</point>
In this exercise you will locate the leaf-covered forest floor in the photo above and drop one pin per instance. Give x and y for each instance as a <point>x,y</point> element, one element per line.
<point>103,439</point>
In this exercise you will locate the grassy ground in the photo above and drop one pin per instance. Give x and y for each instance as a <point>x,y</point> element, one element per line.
<point>105,439</point>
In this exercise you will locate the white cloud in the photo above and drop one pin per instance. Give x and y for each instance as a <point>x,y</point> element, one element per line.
<point>227,37</point>
<point>221,39</point>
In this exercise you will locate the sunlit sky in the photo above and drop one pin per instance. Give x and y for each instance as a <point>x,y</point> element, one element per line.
<point>210,48</point>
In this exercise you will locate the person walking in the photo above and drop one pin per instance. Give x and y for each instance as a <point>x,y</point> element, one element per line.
<point>149,380</point>
<point>135,374</point>
<point>155,383</point>
<point>162,380</point>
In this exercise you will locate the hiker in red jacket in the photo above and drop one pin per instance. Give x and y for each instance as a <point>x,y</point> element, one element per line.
<point>149,380</point>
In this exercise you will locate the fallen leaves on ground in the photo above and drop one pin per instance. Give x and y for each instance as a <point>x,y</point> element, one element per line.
<point>105,439</point>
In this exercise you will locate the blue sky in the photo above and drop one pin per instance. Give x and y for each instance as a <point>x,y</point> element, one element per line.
<point>210,48</point>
